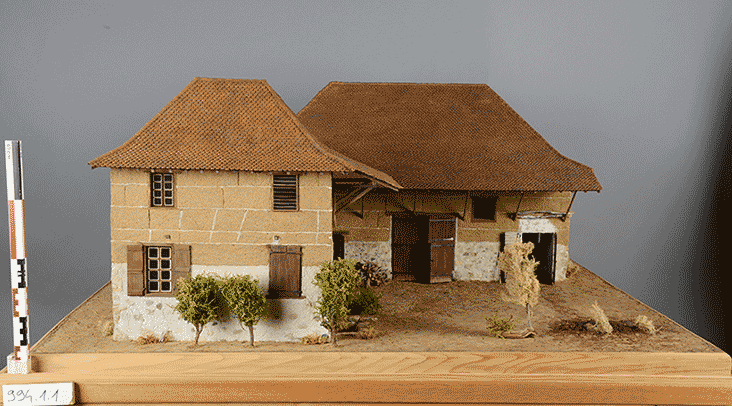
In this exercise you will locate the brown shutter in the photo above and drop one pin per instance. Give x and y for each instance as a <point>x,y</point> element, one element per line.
<point>284,271</point>
<point>181,264</point>
<point>135,270</point>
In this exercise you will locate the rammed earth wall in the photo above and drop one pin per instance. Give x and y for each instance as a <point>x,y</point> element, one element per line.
<point>478,242</point>
<point>227,220</point>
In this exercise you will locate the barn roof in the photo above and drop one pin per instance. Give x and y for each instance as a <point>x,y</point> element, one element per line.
<point>441,136</point>
<point>230,124</point>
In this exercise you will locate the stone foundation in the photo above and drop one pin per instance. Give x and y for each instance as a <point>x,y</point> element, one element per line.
<point>476,261</point>
<point>378,252</point>
<point>286,319</point>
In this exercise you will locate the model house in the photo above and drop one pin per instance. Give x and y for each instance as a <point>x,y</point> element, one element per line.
<point>425,180</point>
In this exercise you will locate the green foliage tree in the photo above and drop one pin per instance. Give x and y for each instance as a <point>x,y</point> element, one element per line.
<point>521,282</point>
<point>200,301</point>
<point>245,300</point>
<point>338,281</point>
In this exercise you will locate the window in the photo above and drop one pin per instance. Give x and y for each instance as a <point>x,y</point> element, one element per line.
<point>284,192</point>
<point>154,270</point>
<point>161,189</point>
<point>484,208</point>
<point>285,271</point>
<point>159,269</point>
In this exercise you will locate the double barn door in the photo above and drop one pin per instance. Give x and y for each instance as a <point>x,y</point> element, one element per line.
<point>423,248</point>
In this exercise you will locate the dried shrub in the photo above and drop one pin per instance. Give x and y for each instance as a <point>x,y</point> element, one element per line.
<point>108,328</point>
<point>372,274</point>
<point>497,326</point>
<point>521,283</point>
<point>645,324</point>
<point>602,324</point>
<point>150,338</point>
<point>368,334</point>
<point>314,339</point>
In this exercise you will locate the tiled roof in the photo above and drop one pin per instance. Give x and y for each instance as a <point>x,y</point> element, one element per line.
<point>441,136</point>
<point>229,124</point>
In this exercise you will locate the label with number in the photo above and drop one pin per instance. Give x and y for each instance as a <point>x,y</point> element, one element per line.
<point>39,394</point>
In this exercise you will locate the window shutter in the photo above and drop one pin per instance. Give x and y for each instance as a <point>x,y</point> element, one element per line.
<point>181,264</point>
<point>135,270</point>
<point>285,271</point>
<point>284,195</point>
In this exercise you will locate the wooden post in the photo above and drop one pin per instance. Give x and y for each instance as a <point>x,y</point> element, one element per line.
<point>19,361</point>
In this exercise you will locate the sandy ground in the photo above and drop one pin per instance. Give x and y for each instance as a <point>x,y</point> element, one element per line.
<point>438,317</point>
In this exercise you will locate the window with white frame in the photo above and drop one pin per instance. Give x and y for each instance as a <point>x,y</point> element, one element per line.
<point>161,189</point>
<point>158,269</point>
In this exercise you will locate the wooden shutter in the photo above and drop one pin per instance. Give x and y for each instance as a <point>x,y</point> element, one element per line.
<point>135,270</point>
<point>284,195</point>
<point>285,265</point>
<point>181,264</point>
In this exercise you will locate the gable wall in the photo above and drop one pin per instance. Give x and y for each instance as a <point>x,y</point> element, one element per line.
<point>228,221</point>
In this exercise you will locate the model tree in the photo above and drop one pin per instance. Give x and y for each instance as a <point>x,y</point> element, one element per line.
<point>338,281</point>
<point>199,301</point>
<point>246,301</point>
<point>521,282</point>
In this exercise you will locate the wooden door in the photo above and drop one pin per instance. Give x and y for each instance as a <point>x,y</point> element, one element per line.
<point>442,249</point>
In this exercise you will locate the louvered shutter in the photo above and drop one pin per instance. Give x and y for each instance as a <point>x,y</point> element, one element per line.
<point>284,189</point>
<point>181,264</point>
<point>285,264</point>
<point>135,270</point>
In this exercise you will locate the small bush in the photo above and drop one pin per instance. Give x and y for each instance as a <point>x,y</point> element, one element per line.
<point>498,326</point>
<point>365,303</point>
<point>602,324</point>
<point>314,339</point>
<point>246,300</point>
<point>368,333</point>
<point>200,301</point>
<point>108,328</point>
<point>645,324</point>
<point>372,274</point>
<point>151,339</point>
<point>338,281</point>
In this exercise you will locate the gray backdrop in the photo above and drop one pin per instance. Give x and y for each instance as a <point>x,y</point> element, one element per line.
<point>639,91</point>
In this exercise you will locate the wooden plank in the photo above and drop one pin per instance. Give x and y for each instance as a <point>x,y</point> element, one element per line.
<point>300,363</point>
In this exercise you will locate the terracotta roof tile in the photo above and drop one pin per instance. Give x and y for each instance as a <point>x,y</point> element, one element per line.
<point>441,136</point>
<point>229,124</point>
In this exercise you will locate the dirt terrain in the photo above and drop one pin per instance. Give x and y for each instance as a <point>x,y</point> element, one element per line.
<point>439,317</point>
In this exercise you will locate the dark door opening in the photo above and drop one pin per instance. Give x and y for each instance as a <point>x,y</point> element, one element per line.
<point>409,248</point>
<point>423,248</point>
<point>339,245</point>
<point>545,252</point>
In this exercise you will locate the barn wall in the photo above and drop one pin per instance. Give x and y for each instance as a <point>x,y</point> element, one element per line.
<point>477,242</point>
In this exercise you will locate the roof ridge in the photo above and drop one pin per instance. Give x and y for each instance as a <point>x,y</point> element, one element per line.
<point>407,83</point>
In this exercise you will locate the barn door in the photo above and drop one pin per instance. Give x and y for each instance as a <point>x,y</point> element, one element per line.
<point>545,253</point>
<point>408,247</point>
<point>442,249</point>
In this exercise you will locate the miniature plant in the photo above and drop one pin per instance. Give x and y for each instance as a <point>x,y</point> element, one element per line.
<point>602,324</point>
<point>246,300</point>
<point>314,338</point>
<point>496,326</point>
<point>372,274</point>
<point>199,301</point>
<point>151,339</point>
<point>645,324</point>
<point>368,334</point>
<point>108,328</point>
<point>521,282</point>
<point>365,303</point>
<point>338,282</point>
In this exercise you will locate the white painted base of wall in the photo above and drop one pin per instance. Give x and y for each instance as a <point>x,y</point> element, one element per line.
<point>286,319</point>
<point>476,261</point>
<point>378,252</point>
